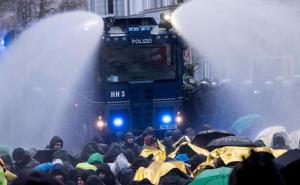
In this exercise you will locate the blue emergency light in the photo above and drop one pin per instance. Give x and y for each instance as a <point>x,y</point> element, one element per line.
<point>118,122</point>
<point>166,119</point>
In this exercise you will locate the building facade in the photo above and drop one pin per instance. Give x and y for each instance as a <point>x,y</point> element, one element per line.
<point>131,7</point>
<point>109,7</point>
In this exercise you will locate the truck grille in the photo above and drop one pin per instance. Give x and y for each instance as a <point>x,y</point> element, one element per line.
<point>142,107</point>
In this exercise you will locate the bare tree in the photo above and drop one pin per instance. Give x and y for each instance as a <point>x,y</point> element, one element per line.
<point>70,5</point>
<point>23,12</point>
<point>45,8</point>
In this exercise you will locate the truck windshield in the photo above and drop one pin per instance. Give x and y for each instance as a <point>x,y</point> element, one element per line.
<point>139,63</point>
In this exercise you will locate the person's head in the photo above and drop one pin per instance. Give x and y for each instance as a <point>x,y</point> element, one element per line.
<point>56,171</point>
<point>129,138</point>
<point>56,143</point>
<point>81,177</point>
<point>18,155</point>
<point>105,174</point>
<point>93,180</point>
<point>149,131</point>
<point>150,141</point>
<point>95,159</point>
<point>279,141</point>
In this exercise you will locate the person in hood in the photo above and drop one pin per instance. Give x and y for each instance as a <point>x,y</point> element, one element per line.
<point>92,163</point>
<point>81,177</point>
<point>95,159</point>
<point>140,138</point>
<point>129,144</point>
<point>56,143</point>
<point>151,141</point>
<point>106,175</point>
<point>23,161</point>
<point>279,141</point>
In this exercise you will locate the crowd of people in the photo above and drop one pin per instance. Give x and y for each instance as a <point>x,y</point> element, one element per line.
<point>130,159</point>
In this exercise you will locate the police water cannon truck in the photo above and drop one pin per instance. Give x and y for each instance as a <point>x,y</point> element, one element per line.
<point>138,76</point>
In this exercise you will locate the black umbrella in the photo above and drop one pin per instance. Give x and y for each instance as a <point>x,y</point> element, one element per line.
<point>230,141</point>
<point>204,137</point>
<point>288,158</point>
<point>289,165</point>
<point>44,156</point>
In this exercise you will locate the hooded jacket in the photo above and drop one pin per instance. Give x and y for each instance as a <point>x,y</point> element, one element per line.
<point>53,141</point>
<point>26,164</point>
<point>279,141</point>
<point>95,158</point>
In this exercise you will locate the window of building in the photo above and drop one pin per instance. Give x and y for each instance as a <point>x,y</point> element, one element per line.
<point>110,6</point>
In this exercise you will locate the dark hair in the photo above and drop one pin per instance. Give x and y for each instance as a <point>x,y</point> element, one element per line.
<point>18,154</point>
<point>109,178</point>
<point>93,180</point>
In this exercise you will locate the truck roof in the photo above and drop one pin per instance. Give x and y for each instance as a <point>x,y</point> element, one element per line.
<point>118,26</point>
